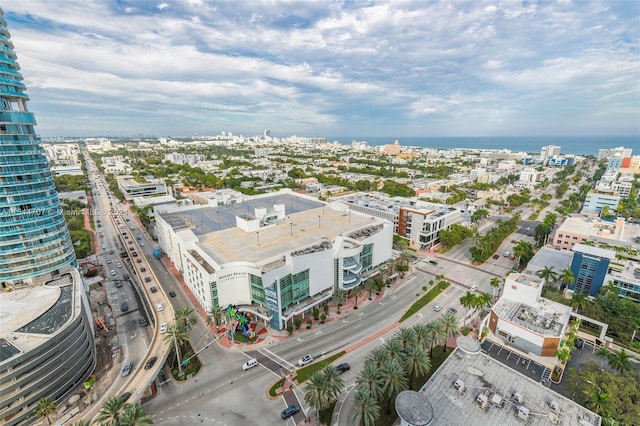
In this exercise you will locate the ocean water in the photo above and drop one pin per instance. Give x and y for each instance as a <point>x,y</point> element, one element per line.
<point>579,145</point>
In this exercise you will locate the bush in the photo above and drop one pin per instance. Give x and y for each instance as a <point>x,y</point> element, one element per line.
<point>422,301</point>
<point>316,313</point>
<point>297,322</point>
<point>325,308</point>
<point>289,329</point>
<point>323,318</point>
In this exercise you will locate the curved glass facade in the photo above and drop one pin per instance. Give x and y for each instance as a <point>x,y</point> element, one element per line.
<point>34,239</point>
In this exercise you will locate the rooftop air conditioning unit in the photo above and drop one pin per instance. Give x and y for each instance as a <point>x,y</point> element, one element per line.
<point>497,400</point>
<point>523,413</point>
<point>554,406</point>
<point>482,401</point>
<point>518,397</point>
<point>459,386</point>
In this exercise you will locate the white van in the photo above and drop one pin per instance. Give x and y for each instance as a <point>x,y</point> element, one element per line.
<point>507,253</point>
<point>250,364</point>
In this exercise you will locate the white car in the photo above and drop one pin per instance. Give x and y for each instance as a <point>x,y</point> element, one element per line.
<point>108,261</point>
<point>119,265</point>
<point>159,307</point>
<point>437,308</point>
<point>163,327</point>
<point>305,360</point>
<point>474,287</point>
<point>113,273</point>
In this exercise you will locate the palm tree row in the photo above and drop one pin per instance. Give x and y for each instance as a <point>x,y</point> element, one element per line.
<point>323,388</point>
<point>392,368</point>
<point>116,412</point>
<point>549,275</point>
<point>476,301</point>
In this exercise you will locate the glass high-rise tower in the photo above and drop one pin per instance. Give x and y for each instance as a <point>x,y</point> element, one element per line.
<point>34,240</point>
<point>47,346</point>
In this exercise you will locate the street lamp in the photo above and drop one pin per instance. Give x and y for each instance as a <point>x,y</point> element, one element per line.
<point>591,383</point>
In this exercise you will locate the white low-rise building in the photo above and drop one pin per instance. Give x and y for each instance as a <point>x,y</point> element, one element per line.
<point>274,256</point>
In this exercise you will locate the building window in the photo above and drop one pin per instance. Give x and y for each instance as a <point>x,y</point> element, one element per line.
<point>257,290</point>
<point>366,256</point>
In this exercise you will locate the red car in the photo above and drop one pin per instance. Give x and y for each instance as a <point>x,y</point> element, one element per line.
<point>496,256</point>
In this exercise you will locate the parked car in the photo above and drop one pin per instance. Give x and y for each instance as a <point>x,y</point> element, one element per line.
<point>150,362</point>
<point>433,262</point>
<point>452,310</point>
<point>127,369</point>
<point>160,307</point>
<point>143,269</point>
<point>147,279</point>
<point>163,327</point>
<point>305,360</point>
<point>143,322</point>
<point>153,289</point>
<point>496,256</point>
<point>290,411</point>
<point>124,306</point>
<point>125,396</point>
<point>437,308</point>
<point>343,367</point>
<point>172,293</point>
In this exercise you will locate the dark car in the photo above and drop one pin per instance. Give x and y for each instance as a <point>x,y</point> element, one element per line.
<point>127,369</point>
<point>125,276</point>
<point>343,367</point>
<point>433,262</point>
<point>289,411</point>
<point>118,283</point>
<point>496,256</point>
<point>143,322</point>
<point>143,269</point>
<point>452,310</point>
<point>125,396</point>
<point>150,363</point>
<point>153,289</point>
<point>172,293</point>
<point>124,306</point>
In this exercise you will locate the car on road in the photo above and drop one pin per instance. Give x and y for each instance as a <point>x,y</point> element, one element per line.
<point>143,269</point>
<point>474,287</point>
<point>433,262</point>
<point>343,367</point>
<point>125,396</point>
<point>139,260</point>
<point>147,279</point>
<point>496,256</point>
<point>513,241</point>
<point>437,308</point>
<point>124,306</point>
<point>305,360</point>
<point>127,369</point>
<point>290,411</point>
<point>452,310</point>
<point>160,307</point>
<point>150,362</point>
<point>163,327</point>
<point>153,289</point>
<point>172,293</point>
<point>104,246</point>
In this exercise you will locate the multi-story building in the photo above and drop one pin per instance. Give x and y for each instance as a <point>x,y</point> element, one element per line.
<point>522,318</point>
<point>131,188</point>
<point>180,158</point>
<point>47,333</point>
<point>274,256</point>
<point>418,221</point>
<point>589,267</point>
<point>596,201</point>
<point>549,151</point>
<point>620,151</point>
<point>116,165</point>
<point>528,178</point>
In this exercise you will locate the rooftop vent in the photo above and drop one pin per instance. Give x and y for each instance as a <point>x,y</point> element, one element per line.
<point>523,413</point>
<point>482,401</point>
<point>497,400</point>
<point>518,397</point>
<point>460,386</point>
<point>554,406</point>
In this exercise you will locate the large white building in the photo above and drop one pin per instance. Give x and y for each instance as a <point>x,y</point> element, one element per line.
<point>611,152</point>
<point>274,256</point>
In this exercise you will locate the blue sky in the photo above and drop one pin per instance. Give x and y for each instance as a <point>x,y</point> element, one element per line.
<point>318,68</point>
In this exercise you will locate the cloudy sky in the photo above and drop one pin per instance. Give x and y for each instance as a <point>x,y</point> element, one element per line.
<point>329,68</point>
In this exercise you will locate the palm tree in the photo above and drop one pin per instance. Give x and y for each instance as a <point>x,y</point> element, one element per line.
<point>437,335</point>
<point>548,274</point>
<point>395,381</point>
<point>394,349</point>
<point>81,422</point>
<point>451,327</point>
<point>579,301</point>
<point>609,288</point>
<point>417,362</point>
<point>109,414</point>
<point>478,215</point>
<point>339,296</point>
<point>366,408</point>
<point>177,337</point>
<point>406,337</point>
<point>333,381</point>
<point>356,292</point>
<point>564,355</point>
<point>406,257</point>
<point>603,353</point>
<point>46,407</point>
<point>376,357</point>
<point>468,301</point>
<point>185,318</point>
<point>599,402</point>
<point>134,415</point>
<point>566,277</point>
<point>483,300</point>
<point>495,283</point>
<point>315,393</point>
<point>370,286</point>
<point>522,249</point>
<point>215,316</point>
<point>370,381</point>
<point>619,361</point>
<point>422,335</point>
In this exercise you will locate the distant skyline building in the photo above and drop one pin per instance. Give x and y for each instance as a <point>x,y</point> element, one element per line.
<point>613,152</point>
<point>47,347</point>
<point>549,151</point>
